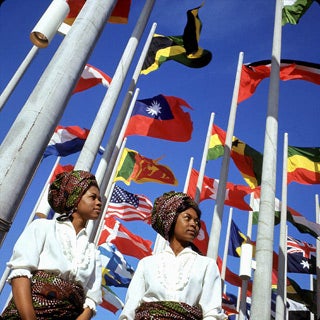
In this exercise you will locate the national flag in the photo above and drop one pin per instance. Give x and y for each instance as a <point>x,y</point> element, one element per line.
<point>293,216</point>
<point>119,14</point>
<point>303,165</point>
<point>293,10</point>
<point>183,49</point>
<point>234,193</point>
<point>202,240</point>
<point>301,256</point>
<point>247,160</point>
<point>137,168</point>
<point>66,141</point>
<point>128,206</point>
<point>110,300</point>
<point>253,73</point>
<point>116,271</point>
<point>229,303</point>
<point>161,117</point>
<point>237,238</point>
<point>125,241</point>
<point>59,169</point>
<point>90,77</point>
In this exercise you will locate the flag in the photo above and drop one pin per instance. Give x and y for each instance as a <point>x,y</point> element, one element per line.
<point>234,193</point>
<point>161,117</point>
<point>116,271</point>
<point>59,169</point>
<point>229,303</point>
<point>183,49</point>
<point>293,10</point>
<point>293,216</point>
<point>253,73</point>
<point>247,160</point>
<point>301,256</point>
<point>125,241</point>
<point>237,238</point>
<point>66,141</point>
<point>137,168</point>
<point>303,165</point>
<point>110,300</point>
<point>128,206</point>
<point>90,77</point>
<point>202,239</point>
<point>120,12</point>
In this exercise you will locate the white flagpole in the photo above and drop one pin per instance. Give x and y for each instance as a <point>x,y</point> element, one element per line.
<point>226,246</point>
<point>23,145</point>
<point>107,160</point>
<point>261,293</point>
<point>186,183</point>
<point>99,126</point>
<point>214,238</point>
<point>282,274</point>
<point>204,159</point>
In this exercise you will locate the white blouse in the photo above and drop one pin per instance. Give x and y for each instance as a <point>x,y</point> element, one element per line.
<point>187,277</point>
<point>54,246</point>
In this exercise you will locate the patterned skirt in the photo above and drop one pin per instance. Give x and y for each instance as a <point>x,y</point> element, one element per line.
<point>53,298</point>
<point>160,310</point>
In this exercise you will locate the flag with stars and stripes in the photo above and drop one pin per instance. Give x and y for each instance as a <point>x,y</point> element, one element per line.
<point>301,256</point>
<point>128,206</point>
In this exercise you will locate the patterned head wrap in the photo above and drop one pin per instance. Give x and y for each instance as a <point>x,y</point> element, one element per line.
<point>164,212</point>
<point>67,189</point>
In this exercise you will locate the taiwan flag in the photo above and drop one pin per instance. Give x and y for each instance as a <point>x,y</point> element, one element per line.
<point>161,117</point>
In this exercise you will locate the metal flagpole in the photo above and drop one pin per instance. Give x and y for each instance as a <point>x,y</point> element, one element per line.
<point>282,274</point>
<point>23,147</point>
<point>261,293</point>
<point>94,139</point>
<point>218,208</point>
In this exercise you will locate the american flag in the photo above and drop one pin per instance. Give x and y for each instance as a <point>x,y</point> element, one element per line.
<point>128,206</point>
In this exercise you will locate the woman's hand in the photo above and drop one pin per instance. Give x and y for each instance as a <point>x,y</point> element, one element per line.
<point>86,314</point>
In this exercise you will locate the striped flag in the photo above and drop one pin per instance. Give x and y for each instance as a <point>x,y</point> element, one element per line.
<point>110,300</point>
<point>66,141</point>
<point>90,77</point>
<point>128,206</point>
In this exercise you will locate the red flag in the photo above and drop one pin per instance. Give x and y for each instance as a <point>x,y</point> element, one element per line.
<point>90,77</point>
<point>234,193</point>
<point>128,206</point>
<point>119,14</point>
<point>161,117</point>
<point>253,73</point>
<point>126,242</point>
<point>202,240</point>
<point>59,169</point>
<point>110,300</point>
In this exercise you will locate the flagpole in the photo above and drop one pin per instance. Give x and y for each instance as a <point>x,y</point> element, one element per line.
<point>282,274</point>
<point>261,293</point>
<point>204,160</point>
<point>226,245</point>
<point>318,254</point>
<point>23,145</point>
<point>117,134</point>
<point>186,183</point>
<point>99,126</point>
<point>213,246</point>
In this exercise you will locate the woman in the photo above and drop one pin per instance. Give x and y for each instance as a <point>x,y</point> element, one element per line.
<point>177,283</point>
<point>55,271</point>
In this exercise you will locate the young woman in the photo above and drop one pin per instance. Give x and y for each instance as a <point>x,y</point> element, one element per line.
<point>177,283</point>
<point>55,271</point>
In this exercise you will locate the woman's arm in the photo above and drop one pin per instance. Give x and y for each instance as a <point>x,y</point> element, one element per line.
<point>21,290</point>
<point>87,314</point>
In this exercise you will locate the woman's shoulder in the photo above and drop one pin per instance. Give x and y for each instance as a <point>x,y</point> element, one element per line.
<point>41,224</point>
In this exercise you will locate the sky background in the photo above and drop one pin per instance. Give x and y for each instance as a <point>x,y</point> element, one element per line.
<point>229,27</point>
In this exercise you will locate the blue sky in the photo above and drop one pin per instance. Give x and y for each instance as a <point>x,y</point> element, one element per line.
<point>229,27</point>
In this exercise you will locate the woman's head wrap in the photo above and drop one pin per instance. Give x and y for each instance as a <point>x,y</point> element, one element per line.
<point>164,212</point>
<point>67,189</point>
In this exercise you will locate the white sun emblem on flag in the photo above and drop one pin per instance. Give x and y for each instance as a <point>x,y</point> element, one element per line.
<point>154,109</point>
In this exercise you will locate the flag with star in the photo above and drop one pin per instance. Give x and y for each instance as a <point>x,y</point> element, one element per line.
<point>161,117</point>
<point>301,256</point>
<point>128,206</point>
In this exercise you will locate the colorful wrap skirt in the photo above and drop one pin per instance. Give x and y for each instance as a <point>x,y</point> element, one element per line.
<point>168,310</point>
<point>52,297</point>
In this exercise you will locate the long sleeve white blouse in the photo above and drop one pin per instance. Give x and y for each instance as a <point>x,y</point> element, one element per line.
<point>187,277</point>
<point>54,246</point>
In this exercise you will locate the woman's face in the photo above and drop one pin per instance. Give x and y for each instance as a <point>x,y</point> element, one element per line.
<point>89,206</point>
<point>187,226</point>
